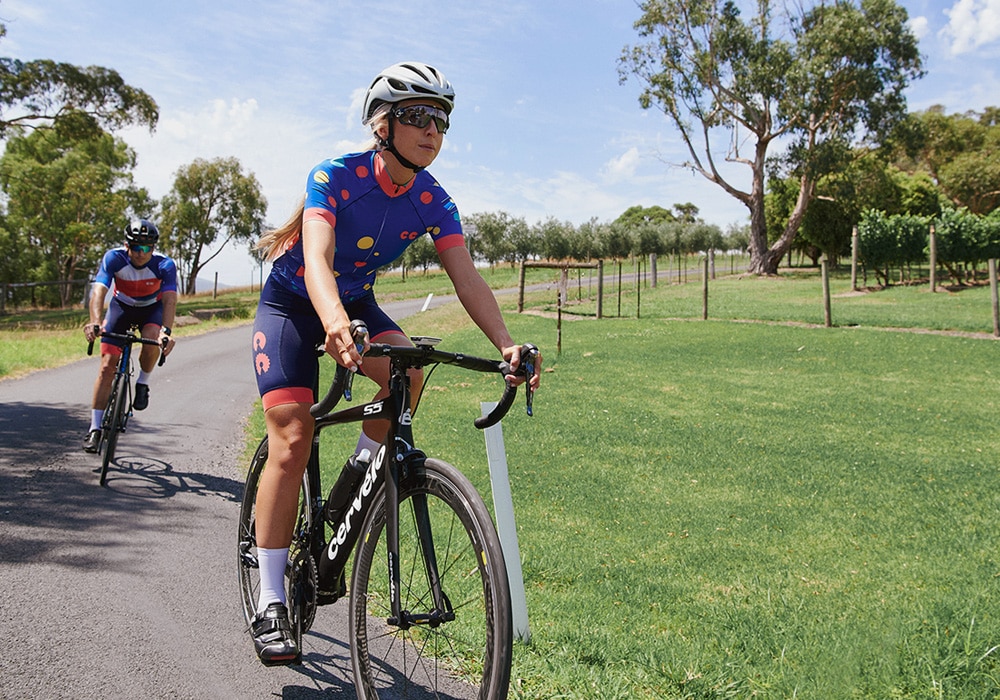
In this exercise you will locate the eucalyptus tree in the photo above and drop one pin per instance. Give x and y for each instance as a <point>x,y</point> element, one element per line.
<point>210,200</point>
<point>810,79</point>
<point>68,200</point>
<point>959,152</point>
<point>75,101</point>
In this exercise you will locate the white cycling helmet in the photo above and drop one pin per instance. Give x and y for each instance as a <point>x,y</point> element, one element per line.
<point>406,81</point>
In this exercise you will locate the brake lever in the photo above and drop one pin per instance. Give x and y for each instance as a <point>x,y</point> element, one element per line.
<point>529,355</point>
<point>359,331</point>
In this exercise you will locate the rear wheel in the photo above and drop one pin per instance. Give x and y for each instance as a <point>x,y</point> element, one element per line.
<point>112,424</point>
<point>464,648</point>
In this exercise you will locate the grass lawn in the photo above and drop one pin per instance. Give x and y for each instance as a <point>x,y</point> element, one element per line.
<point>710,509</point>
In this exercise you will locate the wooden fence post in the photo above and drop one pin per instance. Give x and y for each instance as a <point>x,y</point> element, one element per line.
<point>995,297</point>
<point>855,251</point>
<point>520,289</point>
<point>933,249</point>
<point>600,288</point>
<point>704,289</point>
<point>826,291</point>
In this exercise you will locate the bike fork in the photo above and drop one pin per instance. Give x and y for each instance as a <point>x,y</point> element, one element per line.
<point>441,611</point>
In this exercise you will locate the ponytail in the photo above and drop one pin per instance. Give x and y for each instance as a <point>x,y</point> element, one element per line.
<point>276,241</point>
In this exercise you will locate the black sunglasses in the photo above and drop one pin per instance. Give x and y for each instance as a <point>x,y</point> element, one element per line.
<point>421,115</point>
<point>140,248</point>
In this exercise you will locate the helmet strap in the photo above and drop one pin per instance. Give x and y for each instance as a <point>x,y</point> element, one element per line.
<point>391,147</point>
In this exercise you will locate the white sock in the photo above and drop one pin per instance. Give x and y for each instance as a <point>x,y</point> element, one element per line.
<point>143,377</point>
<point>272,576</point>
<point>96,416</point>
<point>365,442</point>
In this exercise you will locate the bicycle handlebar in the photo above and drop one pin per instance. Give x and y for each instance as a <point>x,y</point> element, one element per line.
<point>423,355</point>
<point>130,338</point>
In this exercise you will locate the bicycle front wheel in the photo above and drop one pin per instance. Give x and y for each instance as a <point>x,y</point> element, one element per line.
<point>462,650</point>
<point>113,421</point>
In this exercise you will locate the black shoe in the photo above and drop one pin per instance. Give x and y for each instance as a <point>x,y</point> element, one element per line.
<point>272,637</point>
<point>92,443</point>
<point>141,399</point>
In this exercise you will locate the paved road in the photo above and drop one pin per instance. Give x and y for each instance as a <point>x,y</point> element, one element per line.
<point>130,591</point>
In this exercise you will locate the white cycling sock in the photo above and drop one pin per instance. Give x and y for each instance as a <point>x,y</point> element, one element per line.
<point>272,576</point>
<point>96,416</point>
<point>143,377</point>
<point>365,442</point>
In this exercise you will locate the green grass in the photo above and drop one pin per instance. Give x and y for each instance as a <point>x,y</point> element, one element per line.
<point>715,510</point>
<point>798,297</point>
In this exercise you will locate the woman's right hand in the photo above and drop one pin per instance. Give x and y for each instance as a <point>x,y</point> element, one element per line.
<point>340,344</point>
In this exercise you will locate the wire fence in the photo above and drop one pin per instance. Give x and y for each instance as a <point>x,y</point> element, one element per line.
<point>33,295</point>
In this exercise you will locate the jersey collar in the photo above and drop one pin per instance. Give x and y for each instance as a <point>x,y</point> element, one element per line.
<point>384,180</point>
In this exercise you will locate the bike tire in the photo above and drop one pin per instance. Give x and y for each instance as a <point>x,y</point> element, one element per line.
<point>467,657</point>
<point>116,410</point>
<point>300,570</point>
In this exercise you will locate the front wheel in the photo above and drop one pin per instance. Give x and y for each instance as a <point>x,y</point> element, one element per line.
<point>113,416</point>
<point>460,650</point>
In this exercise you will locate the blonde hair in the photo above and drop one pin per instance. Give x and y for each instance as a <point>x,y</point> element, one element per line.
<point>275,242</point>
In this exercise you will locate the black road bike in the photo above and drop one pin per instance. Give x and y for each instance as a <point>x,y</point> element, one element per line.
<point>119,406</point>
<point>430,612</point>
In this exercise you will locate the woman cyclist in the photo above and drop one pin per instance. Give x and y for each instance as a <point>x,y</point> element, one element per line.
<point>359,213</point>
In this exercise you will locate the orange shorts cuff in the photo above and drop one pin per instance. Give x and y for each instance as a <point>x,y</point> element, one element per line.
<point>292,394</point>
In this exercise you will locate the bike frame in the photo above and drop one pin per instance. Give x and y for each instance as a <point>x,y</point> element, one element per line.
<point>394,458</point>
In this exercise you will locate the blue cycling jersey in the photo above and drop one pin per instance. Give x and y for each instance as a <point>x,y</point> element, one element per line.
<point>137,286</point>
<point>374,220</point>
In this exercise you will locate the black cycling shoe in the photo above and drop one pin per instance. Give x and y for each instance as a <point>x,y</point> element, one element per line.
<point>272,637</point>
<point>141,399</point>
<point>92,443</point>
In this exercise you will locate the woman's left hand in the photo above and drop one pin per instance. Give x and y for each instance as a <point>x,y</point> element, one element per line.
<point>512,354</point>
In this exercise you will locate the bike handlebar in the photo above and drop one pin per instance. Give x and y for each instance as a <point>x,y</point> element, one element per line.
<point>130,338</point>
<point>422,355</point>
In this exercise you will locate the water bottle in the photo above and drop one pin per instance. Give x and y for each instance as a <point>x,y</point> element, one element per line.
<point>330,589</point>
<point>346,485</point>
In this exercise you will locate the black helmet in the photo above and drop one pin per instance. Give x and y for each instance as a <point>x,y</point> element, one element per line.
<point>142,232</point>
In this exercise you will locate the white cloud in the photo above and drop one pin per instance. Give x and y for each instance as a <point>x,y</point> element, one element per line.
<point>920,26</point>
<point>972,24</point>
<point>623,167</point>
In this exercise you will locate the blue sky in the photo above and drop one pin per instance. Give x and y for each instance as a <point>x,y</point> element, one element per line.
<point>541,128</point>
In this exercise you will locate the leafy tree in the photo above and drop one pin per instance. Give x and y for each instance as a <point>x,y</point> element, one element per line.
<point>960,153</point>
<point>638,215</point>
<point>686,213</point>
<point>490,231</point>
<point>616,241</point>
<point>68,201</point>
<point>812,77</point>
<point>421,253</point>
<point>209,199</point>
<point>523,240</point>
<point>555,238</point>
<point>586,241</point>
<point>77,102</point>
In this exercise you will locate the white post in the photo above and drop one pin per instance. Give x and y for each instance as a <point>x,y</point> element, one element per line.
<point>427,302</point>
<point>503,506</point>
